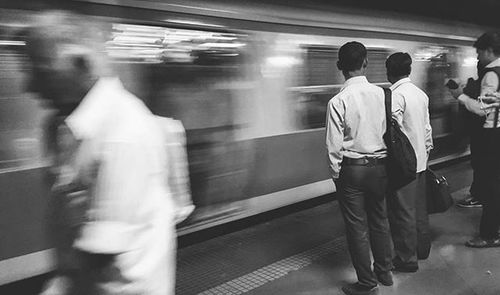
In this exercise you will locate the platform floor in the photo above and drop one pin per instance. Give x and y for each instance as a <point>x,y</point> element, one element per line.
<point>306,253</point>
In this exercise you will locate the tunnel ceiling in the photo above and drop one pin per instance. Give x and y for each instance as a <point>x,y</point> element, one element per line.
<point>481,12</point>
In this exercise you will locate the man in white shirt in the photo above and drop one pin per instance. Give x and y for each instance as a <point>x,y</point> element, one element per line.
<point>355,125</point>
<point>487,145</point>
<point>407,211</point>
<point>115,158</point>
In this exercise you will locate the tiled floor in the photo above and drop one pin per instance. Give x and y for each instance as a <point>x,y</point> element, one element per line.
<point>305,253</point>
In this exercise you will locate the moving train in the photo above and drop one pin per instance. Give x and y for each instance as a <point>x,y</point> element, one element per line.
<point>250,84</point>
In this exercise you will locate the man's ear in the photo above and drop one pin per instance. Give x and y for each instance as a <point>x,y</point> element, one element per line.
<point>365,63</point>
<point>339,66</point>
<point>489,50</point>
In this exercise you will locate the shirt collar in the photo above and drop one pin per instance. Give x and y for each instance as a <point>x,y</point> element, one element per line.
<point>399,82</point>
<point>354,80</point>
<point>87,118</point>
<point>495,63</point>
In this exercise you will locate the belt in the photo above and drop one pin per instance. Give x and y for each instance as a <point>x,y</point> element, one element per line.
<point>366,161</point>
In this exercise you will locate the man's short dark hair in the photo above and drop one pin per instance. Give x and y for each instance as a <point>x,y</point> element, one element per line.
<point>398,64</point>
<point>489,40</point>
<point>351,56</point>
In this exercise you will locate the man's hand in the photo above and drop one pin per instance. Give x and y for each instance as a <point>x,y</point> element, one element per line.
<point>490,100</point>
<point>457,92</point>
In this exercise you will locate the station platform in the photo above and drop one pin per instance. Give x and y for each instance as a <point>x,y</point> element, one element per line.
<point>306,253</point>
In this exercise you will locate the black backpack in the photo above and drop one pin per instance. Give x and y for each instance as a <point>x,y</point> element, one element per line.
<point>401,157</point>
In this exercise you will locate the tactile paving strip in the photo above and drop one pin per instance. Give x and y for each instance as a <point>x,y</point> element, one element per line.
<point>216,261</point>
<point>277,269</point>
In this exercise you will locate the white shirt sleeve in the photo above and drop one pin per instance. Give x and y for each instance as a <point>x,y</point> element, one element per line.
<point>398,106</point>
<point>335,135</point>
<point>489,83</point>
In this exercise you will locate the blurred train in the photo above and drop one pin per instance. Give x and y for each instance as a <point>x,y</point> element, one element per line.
<point>250,84</point>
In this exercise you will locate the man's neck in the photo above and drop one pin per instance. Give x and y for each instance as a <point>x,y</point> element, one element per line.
<point>351,74</point>
<point>396,79</point>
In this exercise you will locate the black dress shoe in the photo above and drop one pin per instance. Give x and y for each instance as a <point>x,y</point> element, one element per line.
<point>357,289</point>
<point>404,266</point>
<point>482,243</point>
<point>385,278</point>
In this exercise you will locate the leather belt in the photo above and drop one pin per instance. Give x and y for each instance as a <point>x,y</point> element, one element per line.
<point>366,161</point>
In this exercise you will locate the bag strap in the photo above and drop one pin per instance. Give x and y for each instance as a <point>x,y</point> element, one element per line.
<point>388,107</point>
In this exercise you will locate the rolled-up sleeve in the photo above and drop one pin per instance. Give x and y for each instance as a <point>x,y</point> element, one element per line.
<point>429,144</point>
<point>472,105</point>
<point>489,84</point>
<point>121,179</point>
<point>335,135</point>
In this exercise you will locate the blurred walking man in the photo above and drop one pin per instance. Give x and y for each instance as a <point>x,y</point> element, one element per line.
<point>114,156</point>
<point>356,153</point>
<point>407,209</point>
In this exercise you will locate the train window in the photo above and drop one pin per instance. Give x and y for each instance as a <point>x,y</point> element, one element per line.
<point>322,80</point>
<point>376,72</point>
<point>320,66</point>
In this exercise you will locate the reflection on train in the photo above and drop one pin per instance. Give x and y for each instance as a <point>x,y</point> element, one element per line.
<point>252,98</point>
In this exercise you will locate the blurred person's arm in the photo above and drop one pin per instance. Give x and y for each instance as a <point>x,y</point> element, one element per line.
<point>178,171</point>
<point>334,135</point>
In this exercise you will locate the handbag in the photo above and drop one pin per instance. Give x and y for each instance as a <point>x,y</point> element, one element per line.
<point>438,193</point>
<point>401,157</point>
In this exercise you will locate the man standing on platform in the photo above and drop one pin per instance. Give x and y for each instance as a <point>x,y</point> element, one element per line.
<point>487,142</point>
<point>407,208</point>
<point>356,153</point>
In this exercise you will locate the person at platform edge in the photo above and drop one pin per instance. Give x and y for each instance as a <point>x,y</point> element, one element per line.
<point>407,207</point>
<point>356,152</point>
<point>125,242</point>
<point>487,142</point>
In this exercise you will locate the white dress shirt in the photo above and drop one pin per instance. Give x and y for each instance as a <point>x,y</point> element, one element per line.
<point>122,159</point>
<point>355,123</point>
<point>410,107</point>
<point>489,84</point>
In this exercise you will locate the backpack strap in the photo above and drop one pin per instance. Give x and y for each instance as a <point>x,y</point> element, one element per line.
<point>388,108</point>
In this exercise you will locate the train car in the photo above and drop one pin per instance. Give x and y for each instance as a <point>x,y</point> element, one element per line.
<point>250,84</point>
